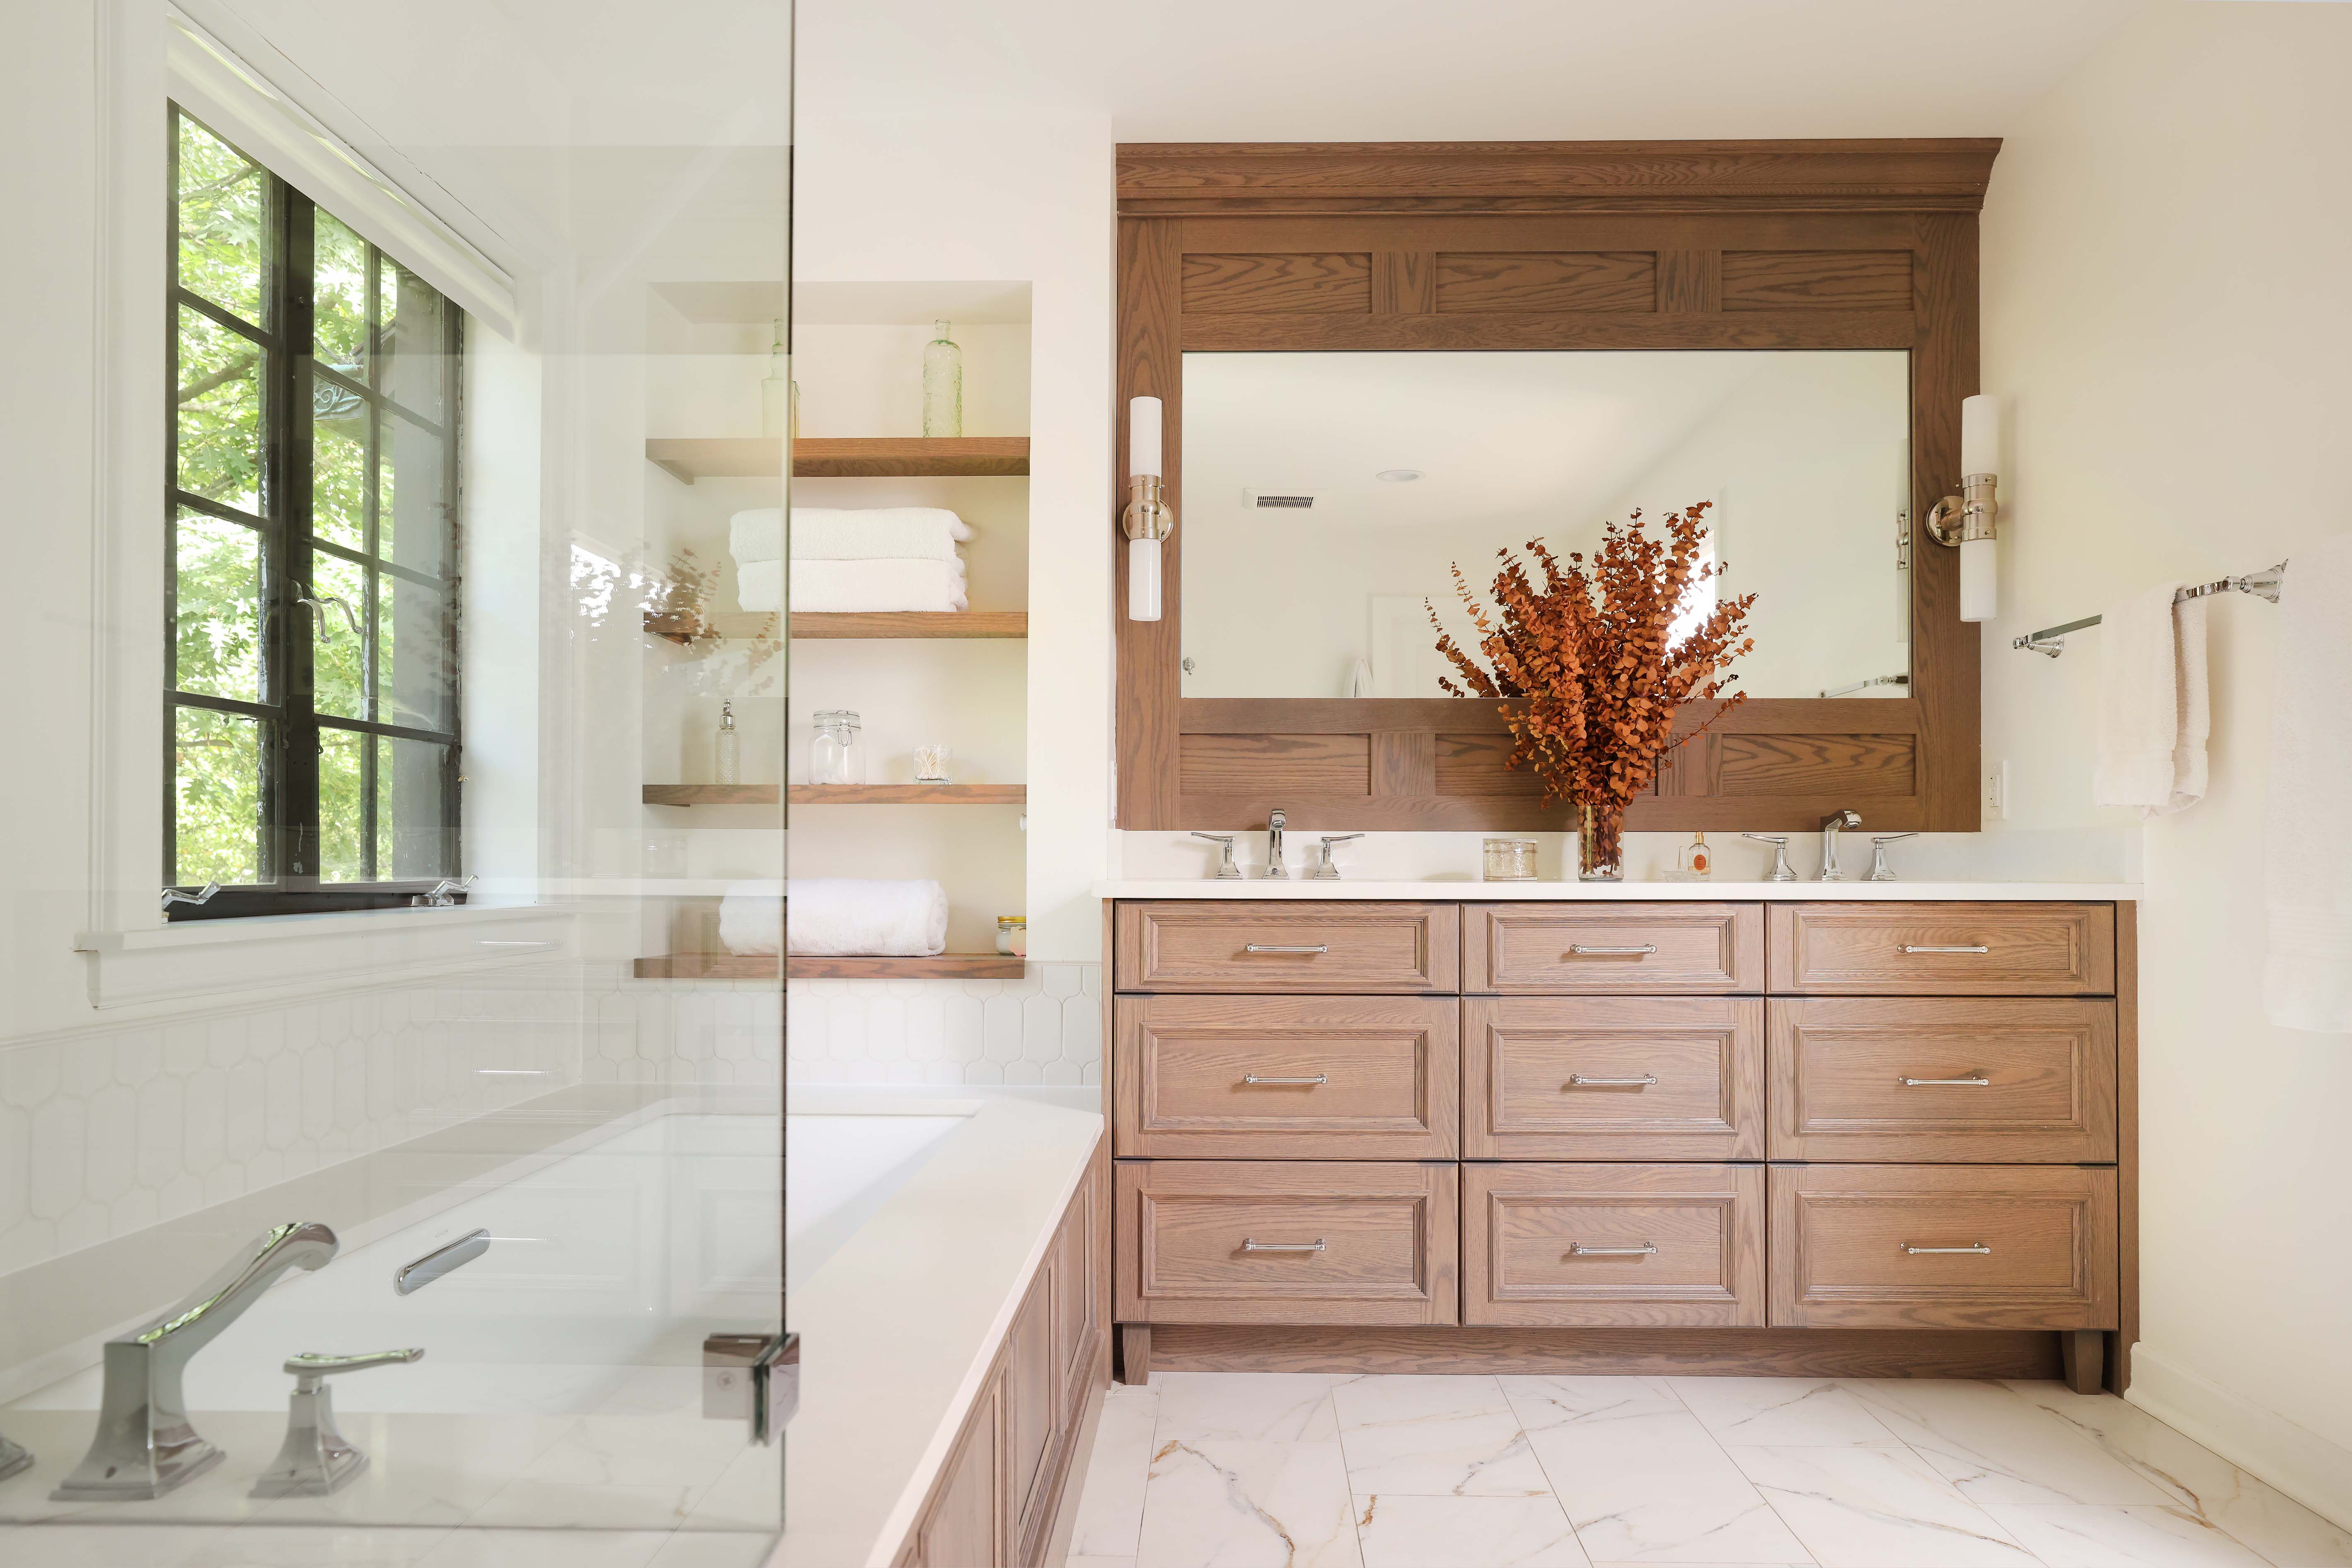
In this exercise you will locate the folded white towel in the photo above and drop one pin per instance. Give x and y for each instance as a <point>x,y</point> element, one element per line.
<point>2153,710</point>
<point>832,533</point>
<point>832,915</point>
<point>849,586</point>
<point>751,918</point>
<point>2307,979</point>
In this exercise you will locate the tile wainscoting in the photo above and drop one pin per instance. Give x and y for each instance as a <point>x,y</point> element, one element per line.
<point>1042,1028</point>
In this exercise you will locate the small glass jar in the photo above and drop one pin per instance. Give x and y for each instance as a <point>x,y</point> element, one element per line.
<point>836,753</point>
<point>1509,860</point>
<point>1012,936</point>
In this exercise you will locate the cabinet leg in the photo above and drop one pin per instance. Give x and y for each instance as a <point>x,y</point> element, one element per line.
<point>1135,1353</point>
<point>2083,1353</point>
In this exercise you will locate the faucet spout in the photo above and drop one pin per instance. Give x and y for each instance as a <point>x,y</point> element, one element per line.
<point>145,1447</point>
<point>1273,865</point>
<point>1830,825</point>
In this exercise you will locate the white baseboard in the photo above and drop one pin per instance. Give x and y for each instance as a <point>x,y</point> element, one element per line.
<point>2313,1470</point>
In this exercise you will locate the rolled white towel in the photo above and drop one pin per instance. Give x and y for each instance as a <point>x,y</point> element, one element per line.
<point>852,915</point>
<point>837,533</point>
<point>850,586</point>
<point>751,918</point>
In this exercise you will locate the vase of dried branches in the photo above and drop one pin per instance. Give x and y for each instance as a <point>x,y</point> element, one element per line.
<point>1584,661</point>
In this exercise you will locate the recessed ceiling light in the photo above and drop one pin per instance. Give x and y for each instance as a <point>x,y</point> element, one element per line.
<point>1398,476</point>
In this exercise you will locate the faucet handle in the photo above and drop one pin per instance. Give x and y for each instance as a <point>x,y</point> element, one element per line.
<point>13,1458</point>
<point>310,1367</point>
<point>1780,842</point>
<point>316,1459</point>
<point>1326,868</point>
<point>1226,871</point>
<point>1880,872</point>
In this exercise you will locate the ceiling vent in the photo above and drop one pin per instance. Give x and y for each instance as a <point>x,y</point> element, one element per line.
<point>1279,501</point>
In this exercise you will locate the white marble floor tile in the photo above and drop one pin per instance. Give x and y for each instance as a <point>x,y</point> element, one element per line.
<point>1649,1487</point>
<point>546,1549</point>
<point>1246,1503</point>
<point>315,1546</point>
<point>1541,1403</point>
<point>1397,1530</point>
<point>2091,1535</point>
<point>1433,1437</point>
<point>2196,1479</point>
<point>1781,1412</point>
<point>104,1545</point>
<point>1273,1407</point>
<point>1111,1503</point>
<point>1998,1448</point>
<point>1870,1508</point>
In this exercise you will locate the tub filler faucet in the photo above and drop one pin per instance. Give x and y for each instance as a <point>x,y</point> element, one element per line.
<point>145,1446</point>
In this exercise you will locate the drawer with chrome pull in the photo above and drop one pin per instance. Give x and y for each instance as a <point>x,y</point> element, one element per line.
<point>1297,1077</point>
<point>1598,1246</point>
<point>1942,949</point>
<point>1587,949</point>
<point>1612,1077</point>
<point>1952,1246</point>
<point>1995,1079</point>
<point>1287,945</point>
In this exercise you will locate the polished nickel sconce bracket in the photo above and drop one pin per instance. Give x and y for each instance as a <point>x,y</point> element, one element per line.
<point>1148,514</point>
<point>1975,508</point>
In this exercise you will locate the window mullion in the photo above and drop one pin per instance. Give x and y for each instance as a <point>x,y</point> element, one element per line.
<point>290,514</point>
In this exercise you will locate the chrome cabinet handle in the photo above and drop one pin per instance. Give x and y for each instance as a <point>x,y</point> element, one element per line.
<point>1578,1249</point>
<point>1978,1247</point>
<point>1908,947</point>
<point>1255,947</point>
<point>1314,1245</point>
<point>1575,949</point>
<point>1945,1082</point>
<point>1578,1080</point>
<point>1318,1078</point>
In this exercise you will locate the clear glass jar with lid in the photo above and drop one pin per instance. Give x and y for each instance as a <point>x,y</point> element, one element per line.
<point>837,752</point>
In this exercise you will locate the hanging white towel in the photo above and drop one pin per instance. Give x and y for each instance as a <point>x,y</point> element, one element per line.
<point>2154,713</point>
<point>2307,979</point>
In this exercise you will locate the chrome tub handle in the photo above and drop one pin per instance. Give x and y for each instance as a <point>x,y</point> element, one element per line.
<point>1578,1080</point>
<point>1314,1245</point>
<point>1578,1249</point>
<point>1978,1247</point>
<point>1255,947</point>
<point>1318,1078</point>
<point>416,1274</point>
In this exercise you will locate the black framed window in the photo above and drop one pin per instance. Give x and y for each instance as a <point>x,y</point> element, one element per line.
<point>311,743</point>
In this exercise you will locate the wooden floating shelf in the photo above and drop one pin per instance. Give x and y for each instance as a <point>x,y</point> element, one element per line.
<point>910,794</point>
<point>690,458</point>
<point>908,623</point>
<point>762,966</point>
<point>710,794</point>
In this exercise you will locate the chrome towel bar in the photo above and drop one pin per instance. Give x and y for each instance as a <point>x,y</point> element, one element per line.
<point>2052,640</point>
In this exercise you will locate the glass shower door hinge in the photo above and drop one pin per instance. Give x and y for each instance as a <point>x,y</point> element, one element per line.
<point>752,1378</point>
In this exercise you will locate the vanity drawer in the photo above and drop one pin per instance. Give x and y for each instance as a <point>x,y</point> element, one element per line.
<point>1943,950</point>
<point>1612,949</point>
<point>1603,1246</point>
<point>1950,1246</point>
<point>1260,1242</point>
<point>1993,1079</point>
<point>1351,1078</point>
<point>1287,945</point>
<point>1612,1077</point>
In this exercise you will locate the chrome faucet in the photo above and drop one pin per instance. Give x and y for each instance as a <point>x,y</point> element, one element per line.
<point>1830,825</point>
<point>144,1446</point>
<point>1274,867</point>
<point>1326,868</point>
<point>317,1461</point>
<point>1226,871</point>
<point>1880,872</point>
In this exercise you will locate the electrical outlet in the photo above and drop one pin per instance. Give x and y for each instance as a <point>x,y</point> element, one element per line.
<point>1996,792</point>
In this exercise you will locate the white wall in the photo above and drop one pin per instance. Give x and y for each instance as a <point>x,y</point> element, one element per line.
<point>2165,305</point>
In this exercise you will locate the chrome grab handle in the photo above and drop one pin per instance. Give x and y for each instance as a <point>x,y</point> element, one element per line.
<point>173,895</point>
<point>417,1273</point>
<point>1976,1246</point>
<point>1908,947</point>
<point>1578,1249</point>
<point>1318,1078</point>
<point>1578,1080</point>
<point>1255,947</point>
<point>1971,1082</point>
<point>1576,948</point>
<point>1314,1245</point>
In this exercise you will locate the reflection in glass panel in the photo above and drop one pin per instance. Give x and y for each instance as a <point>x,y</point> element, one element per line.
<point>411,340</point>
<point>224,238</point>
<point>339,653</point>
<point>411,834</point>
<point>219,413</point>
<point>416,682</point>
<point>338,268</point>
<point>216,625</point>
<point>342,806</point>
<point>411,526</point>
<point>216,778</point>
<point>339,431</point>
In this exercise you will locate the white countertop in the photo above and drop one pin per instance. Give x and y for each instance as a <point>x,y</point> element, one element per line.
<point>1469,890</point>
<point>899,1328</point>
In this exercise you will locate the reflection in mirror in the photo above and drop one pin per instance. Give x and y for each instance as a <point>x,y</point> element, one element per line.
<point>1326,496</point>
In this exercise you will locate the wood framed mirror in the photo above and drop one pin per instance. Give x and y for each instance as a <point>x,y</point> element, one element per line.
<point>1394,249</point>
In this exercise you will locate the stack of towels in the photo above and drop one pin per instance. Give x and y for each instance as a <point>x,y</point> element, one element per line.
<point>835,915</point>
<point>885,558</point>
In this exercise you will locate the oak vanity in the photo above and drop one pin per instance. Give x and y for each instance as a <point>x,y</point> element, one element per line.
<point>1831,1132</point>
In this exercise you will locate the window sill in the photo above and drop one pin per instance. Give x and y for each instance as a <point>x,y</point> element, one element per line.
<point>273,952</point>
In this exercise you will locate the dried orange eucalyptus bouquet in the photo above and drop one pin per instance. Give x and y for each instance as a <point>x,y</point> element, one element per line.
<point>1589,680</point>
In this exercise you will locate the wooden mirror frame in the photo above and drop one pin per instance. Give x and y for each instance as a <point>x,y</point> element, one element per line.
<point>1527,246</point>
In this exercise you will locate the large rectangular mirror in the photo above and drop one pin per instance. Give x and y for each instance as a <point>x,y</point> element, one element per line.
<point>1327,496</point>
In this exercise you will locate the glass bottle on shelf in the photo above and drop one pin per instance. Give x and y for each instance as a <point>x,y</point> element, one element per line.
<point>1694,861</point>
<point>942,386</point>
<point>728,746</point>
<point>836,753</point>
<point>776,402</point>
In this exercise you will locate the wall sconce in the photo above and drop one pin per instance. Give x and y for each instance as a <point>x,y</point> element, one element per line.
<point>1976,510</point>
<point>1148,517</point>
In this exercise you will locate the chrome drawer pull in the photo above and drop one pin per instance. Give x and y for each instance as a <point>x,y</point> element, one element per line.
<point>1318,1078</point>
<point>1974,1083</point>
<point>1577,950</point>
<point>1578,1249</point>
<point>1908,947</point>
<point>1578,1080</point>
<point>1314,1245</point>
<point>1254,947</point>
<point>1978,1247</point>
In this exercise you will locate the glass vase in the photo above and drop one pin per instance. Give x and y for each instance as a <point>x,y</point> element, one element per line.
<point>1600,842</point>
<point>942,386</point>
